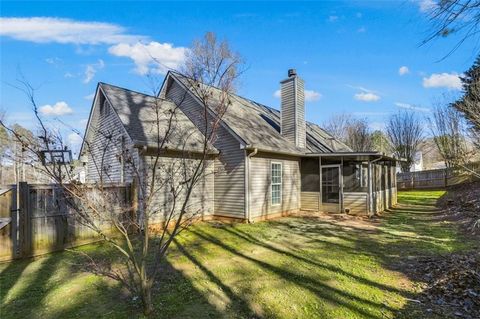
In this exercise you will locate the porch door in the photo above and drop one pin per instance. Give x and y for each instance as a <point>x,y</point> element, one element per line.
<point>331,186</point>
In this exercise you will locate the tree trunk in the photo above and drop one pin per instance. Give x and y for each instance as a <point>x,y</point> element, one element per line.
<point>147,298</point>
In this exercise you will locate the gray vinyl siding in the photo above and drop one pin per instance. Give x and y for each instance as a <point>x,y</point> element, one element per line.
<point>104,153</point>
<point>310,200</point>
<point>229,166</point>
<point>293,126</point>
<point>260,185</point>
<point>356,203</point>
<point>201,202</point>
<point>288,110</point>
<point>301,133</point>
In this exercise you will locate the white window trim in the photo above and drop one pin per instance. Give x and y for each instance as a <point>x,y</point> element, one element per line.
<point>271,183</point>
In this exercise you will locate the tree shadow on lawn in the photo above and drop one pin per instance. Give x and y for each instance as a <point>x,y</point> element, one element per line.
<point>54,287</point>
<point>57,286</point>
<point>356,304</point>
<point>405,232</point>
<point>24,284</point>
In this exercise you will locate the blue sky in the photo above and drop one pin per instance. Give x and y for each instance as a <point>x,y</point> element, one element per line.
<point>357,57</point>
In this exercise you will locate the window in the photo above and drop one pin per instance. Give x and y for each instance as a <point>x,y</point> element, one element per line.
<point>276,183</point>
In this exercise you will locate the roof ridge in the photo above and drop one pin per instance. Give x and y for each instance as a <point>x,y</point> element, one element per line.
<point>130,90</point>
<point>256,106</point>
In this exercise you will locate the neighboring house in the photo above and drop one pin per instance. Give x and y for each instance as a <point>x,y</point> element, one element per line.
<point>266,163</point>
<point>417,162</point>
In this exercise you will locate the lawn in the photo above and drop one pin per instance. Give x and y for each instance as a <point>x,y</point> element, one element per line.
<point>297,267</point>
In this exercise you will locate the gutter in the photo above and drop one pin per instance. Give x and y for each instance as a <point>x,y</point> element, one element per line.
<point>247,183</point>
<point>250,147</point>
<point>376,160</point>
<point>144,147</point>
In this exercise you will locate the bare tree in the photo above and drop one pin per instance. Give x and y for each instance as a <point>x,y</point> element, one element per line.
<point>4,141</point>
<point>359,136</point>
<point>380,142</point>
<point>454,17</point>
<point>144,230</point>
<point>352,131</point>
<point>469,104</point>
<point>448,133</point>
<point>337,125</point>
<point>405,134</point>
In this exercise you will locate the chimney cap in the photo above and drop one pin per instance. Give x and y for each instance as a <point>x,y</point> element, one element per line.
<point>292,72</point>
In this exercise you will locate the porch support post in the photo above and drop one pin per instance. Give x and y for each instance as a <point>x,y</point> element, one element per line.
<point>341,186</point>
<point>320,208</point>
<point>370,189</point>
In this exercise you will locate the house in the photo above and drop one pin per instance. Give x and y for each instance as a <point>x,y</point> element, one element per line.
<point>265,163</point>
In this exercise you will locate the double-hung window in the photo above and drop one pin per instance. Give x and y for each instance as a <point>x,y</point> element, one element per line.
<point>276,183</point>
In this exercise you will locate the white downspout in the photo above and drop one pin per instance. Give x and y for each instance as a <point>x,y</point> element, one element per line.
<point>247,179</point>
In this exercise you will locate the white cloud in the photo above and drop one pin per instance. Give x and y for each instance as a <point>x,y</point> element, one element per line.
<point>68,75</point>
<point>74,139</point>
<point>446,80</point>
<point>412,107</point>
<point>154,56</point>
<point>89,97</point>
<point>332,18</point>
<point>147,56</point>
<point>362,30</point>
<point>427,5</point>
<point>310,95</point>
<point>58,109</point>
<point>366,97</point>
<point>403,70</point>
<point>53,61</point>
<point>57,30</point>
<point>92,69</point>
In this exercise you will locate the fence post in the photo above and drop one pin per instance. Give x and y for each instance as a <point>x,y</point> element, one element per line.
<point>24,222</point>
<point>445,177</point>
<point>14,224</point>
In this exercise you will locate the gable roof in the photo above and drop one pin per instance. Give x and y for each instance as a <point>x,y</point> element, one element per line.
<point>139,112</point>
<point>259,126</point>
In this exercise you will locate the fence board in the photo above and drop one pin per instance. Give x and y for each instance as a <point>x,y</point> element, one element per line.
<point>43,223</point>
<point>7,206</point>
<point>437,178</point>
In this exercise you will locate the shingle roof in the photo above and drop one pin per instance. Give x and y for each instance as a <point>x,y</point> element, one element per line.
<point>138,113</point>
<point>259,126</point>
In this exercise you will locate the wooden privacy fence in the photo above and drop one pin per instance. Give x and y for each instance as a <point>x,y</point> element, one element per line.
<point>34,219</point>
<point>438,178</point>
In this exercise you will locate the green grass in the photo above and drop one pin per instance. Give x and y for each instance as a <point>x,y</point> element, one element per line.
<point>287,268</point>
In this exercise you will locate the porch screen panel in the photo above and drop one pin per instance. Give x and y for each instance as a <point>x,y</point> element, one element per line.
<point>310,175</point>
<point>355,177</point>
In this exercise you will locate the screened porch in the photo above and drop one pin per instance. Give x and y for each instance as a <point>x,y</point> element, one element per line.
<point>352,183</point>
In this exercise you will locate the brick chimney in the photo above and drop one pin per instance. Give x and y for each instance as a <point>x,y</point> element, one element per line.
<point>293,109</point>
